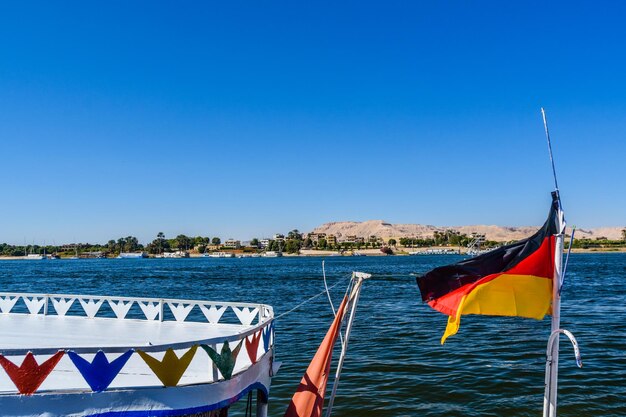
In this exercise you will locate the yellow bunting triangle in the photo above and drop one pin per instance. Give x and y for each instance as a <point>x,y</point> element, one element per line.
<point>171,368</point>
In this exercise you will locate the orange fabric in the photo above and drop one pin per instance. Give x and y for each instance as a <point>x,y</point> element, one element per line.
<point>308,400</point>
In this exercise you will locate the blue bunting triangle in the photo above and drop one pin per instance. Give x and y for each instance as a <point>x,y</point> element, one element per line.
<point>99,373</point>
<point>267,335</point>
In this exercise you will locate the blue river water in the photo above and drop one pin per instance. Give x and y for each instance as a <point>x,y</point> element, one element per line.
<point>395,364</point>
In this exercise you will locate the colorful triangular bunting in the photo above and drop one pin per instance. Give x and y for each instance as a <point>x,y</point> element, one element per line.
<point>267,336</point>
<point>171,368</point>
<point>29,376</point>
<point>252,346</point>
<point>100,372</point>
<point>224,361</point>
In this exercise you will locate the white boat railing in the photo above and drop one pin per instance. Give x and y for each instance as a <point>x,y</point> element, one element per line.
<point>240,342</point>
<point>249,316</point>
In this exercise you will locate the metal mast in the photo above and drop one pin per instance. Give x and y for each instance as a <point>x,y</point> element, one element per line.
<point>358,278</point>
<point>552,353</point>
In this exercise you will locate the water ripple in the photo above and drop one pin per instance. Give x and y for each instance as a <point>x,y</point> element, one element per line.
<point>395,366</point>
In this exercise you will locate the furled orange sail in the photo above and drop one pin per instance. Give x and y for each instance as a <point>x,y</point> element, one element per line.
<point>308,400</point>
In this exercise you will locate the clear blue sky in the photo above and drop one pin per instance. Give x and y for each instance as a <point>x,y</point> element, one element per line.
<point>241,119</point>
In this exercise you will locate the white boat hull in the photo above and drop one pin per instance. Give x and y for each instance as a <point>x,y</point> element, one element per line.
<point>170,401</point>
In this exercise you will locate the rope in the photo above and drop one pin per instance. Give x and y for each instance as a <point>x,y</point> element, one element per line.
<point>308,300</point>
<point>569,250</point>
<point>327,290</point>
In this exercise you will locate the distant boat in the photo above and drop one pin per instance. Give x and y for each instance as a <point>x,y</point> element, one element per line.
<point>249,255</point>
<point>272,254</point>
<point>219,255</point>
<point>35,256</point>
<point>436,252</point>
<point>177,254</point>
<point>132,255</point>
<point>476,252</point>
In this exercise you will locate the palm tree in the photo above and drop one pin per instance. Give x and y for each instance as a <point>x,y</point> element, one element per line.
<point>294,234</point>
<point>121,242</point>
<point>183,242</point>
<point>160,238</point>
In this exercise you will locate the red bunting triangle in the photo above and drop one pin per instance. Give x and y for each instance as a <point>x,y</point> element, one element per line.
<point>30,375</point>
<point>253,346</point>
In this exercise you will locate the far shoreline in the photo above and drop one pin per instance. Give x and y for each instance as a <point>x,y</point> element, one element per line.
<point>311,253</point>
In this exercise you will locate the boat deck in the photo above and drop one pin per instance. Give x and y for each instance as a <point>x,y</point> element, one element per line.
<point>26,331</point>
<point>78,325</point>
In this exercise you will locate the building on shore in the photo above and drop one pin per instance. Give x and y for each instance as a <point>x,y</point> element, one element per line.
<point>231,244</point>
<point>353,239</point>
<point>315,237</point>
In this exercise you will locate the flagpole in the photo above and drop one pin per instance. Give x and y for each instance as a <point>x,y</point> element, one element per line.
<point>356,293</point>
<point>552,351</point>
<point>552,357</point>
<point>552,360</point>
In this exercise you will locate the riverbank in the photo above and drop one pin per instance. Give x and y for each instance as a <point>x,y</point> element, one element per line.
<point>362,252</point>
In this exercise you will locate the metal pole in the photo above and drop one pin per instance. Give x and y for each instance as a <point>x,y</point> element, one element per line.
<point>356,292</point>
<point>261,405</point>
<point>545,126</point>
<point>552,361</point>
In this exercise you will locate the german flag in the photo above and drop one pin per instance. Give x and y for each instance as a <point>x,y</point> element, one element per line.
<point>514,280</point>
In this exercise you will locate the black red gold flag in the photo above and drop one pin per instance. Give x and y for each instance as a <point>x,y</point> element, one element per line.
<point>513,280</point>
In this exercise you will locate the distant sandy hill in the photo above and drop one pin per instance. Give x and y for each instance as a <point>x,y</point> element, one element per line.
<point>382,229</point>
